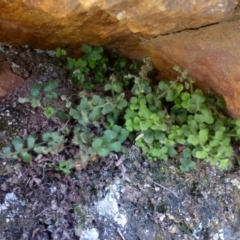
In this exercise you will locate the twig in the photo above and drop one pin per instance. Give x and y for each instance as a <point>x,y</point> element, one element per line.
<point>121,235</point>
<point>41,212</point>
<point>159,185</point>
<point>109,165</point>
<point>120,161</point>
<point>65,124</point>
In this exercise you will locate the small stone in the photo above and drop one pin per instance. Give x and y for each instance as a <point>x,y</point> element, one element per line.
<point>172,229</point>
<point>90,234</point>
<point>4,186</point>
<point>54,206</point>
<point>161,216</point>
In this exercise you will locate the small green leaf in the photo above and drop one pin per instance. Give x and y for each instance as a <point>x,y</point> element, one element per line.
<point>6,150</point>
<point>133,100</point>
<point>238,132</point>
<point>65,166</point>
<point>92,64</point>
<point>117,87</point>
<point>172,152</point>
<point>226,142</point>
<point>142,102</point>
<point>95,114</point>
<point>123,135</point>
<point>208,117</point>
<point>159,135</point>
<point>107,87</point>
<point>148,137</point>
<point>56,137</point>
<point>201,154</point>
<point>219,135</point>
<point>46,136</point>
<point>171,95</point>
<point>35,90</point>
<point>35,102</point>
<point>116,146</point>
<point>95,100</point>
<point>214,143</point>
<point>237,122</point>
<point>145,125</point>
<point>187,164</point>
<point>63,116</point>
<point>199,118</point>
<point>203,135</point>
<point>122,104</point>
<point>60,52</point>
<point>223,164</point>
<point>198,96</point>
<point>185,96</point>
<point>50,85</point>
<point>193,140</point>
<point>30,141</point>
<point>52,95</point>
<point>193,125</point>
<point>86,48</point>
<point>98,49</point>
<point>17,144</point>
<point>228,151</point>
<point>109,135</point>
<point>26,156</point>
<point>103,152</point>
<point>75,114</point>
<point>187,153</point>
<point>154,152</point>
<point>83,104</point>
<point>97,143</point>
<point>214,161</point>
<point>80,63</point>
<point>70,63</point>
<point>129,125</point>
<point>107,109</point>
<point>49,112</point>
<point>186,131</point>
<point>116,129</point>
<point>164,86</point>
<point>40,150</point>
<point>164,149</point>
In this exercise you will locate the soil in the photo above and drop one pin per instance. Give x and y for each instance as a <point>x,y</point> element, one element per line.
<point>113,198</point>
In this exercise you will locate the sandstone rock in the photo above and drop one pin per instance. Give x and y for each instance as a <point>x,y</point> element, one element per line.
<point>8,80</point>
<point>199,35</point>
<point>211,55</point>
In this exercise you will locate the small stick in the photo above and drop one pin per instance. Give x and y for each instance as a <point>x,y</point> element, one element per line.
<point>159,185</point>
<point>120,161</point>
<point>119,232</point>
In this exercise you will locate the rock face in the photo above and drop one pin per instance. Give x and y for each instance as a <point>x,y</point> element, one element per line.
<point>201,36</point>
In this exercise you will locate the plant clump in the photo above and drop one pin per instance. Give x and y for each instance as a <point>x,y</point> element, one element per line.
<point>119,102</point>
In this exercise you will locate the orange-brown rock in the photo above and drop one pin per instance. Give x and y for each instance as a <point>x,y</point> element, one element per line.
<point>210,54</point>
<point>201,36</point>
<point>8,80</point>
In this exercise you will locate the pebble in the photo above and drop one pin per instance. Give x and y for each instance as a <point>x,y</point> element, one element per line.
<point>11,119</point>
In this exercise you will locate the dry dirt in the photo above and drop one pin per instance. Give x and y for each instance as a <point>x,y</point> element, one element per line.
<point>115,198</point>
